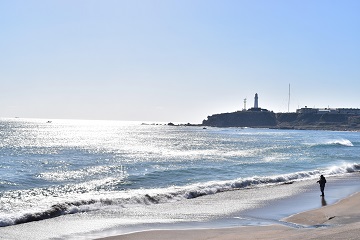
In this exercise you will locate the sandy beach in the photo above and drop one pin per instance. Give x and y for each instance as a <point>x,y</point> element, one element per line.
<point>286,211</point>
<point>337,221</point>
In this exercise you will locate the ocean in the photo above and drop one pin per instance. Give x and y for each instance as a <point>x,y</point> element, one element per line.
<point>104,175</point>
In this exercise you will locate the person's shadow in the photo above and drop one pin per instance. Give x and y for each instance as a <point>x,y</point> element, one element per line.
<point>323,201</point>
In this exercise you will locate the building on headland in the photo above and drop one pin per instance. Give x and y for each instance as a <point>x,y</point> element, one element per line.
<point>256,105</point>
<point>305,110</point>
<point>244,109</point>
<point>344,119</point>
<point>256,101</point>
<point>347,111</point>
<point>351,111</point>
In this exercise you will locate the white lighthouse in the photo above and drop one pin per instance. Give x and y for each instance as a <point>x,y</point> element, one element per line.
<point>256,102</point>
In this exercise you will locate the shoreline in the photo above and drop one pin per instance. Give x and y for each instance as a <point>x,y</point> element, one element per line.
<point>318,222</point>
<point>343,223</point>
<point>337,221</point>
<point>231,213</point>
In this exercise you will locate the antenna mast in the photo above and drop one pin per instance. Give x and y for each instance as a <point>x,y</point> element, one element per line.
<point>289,99</point>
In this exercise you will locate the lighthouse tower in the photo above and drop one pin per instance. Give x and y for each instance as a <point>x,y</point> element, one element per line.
<point>256,102</point>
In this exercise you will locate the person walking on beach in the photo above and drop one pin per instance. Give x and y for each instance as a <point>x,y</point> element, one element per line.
<point>322,182</point>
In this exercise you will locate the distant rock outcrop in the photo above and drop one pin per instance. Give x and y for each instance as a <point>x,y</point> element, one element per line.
<point>314,121</point>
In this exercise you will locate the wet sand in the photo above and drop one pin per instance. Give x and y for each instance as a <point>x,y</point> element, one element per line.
<point>337,221</point>
<point>340,220</point>
<point>254,213</point>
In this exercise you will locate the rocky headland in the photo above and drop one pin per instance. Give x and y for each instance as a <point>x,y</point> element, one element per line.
<point>301,121</point>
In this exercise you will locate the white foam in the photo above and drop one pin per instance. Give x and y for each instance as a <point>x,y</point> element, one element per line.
<point>343,142</point>
<point>327,142</point>
<point>37,204</point>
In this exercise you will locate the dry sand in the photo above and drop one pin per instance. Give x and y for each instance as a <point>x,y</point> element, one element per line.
<point>337,221</point>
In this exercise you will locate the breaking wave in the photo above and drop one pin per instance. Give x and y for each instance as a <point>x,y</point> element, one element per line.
<point>339,142</point>
<point>123,199</point>
<point>342,142</point>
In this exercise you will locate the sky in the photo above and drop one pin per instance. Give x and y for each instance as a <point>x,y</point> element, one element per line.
<point>175,60</point>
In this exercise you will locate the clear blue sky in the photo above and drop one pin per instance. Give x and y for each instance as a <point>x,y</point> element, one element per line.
<point>175,60</point>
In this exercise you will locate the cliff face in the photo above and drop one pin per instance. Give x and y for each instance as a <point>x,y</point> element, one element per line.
<point>285,120</point>
<point>242,119</point>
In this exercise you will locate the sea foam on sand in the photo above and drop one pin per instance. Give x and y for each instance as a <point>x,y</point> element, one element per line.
<point>332,219</point>
<point>338,221</point>
<point>239,214</point>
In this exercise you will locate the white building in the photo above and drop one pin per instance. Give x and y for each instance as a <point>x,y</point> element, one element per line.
<point>256,102</point>
<point>348,111</point>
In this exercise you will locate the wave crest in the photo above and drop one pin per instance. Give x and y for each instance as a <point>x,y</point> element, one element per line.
<point>339,142</point>
<point>161,195</point>
<point>342,142</point>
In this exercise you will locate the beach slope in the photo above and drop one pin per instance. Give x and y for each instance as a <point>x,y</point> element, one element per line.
<point>338,221</point>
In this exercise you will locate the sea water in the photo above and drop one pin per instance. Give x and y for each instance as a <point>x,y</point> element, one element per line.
<point>59,168</point>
